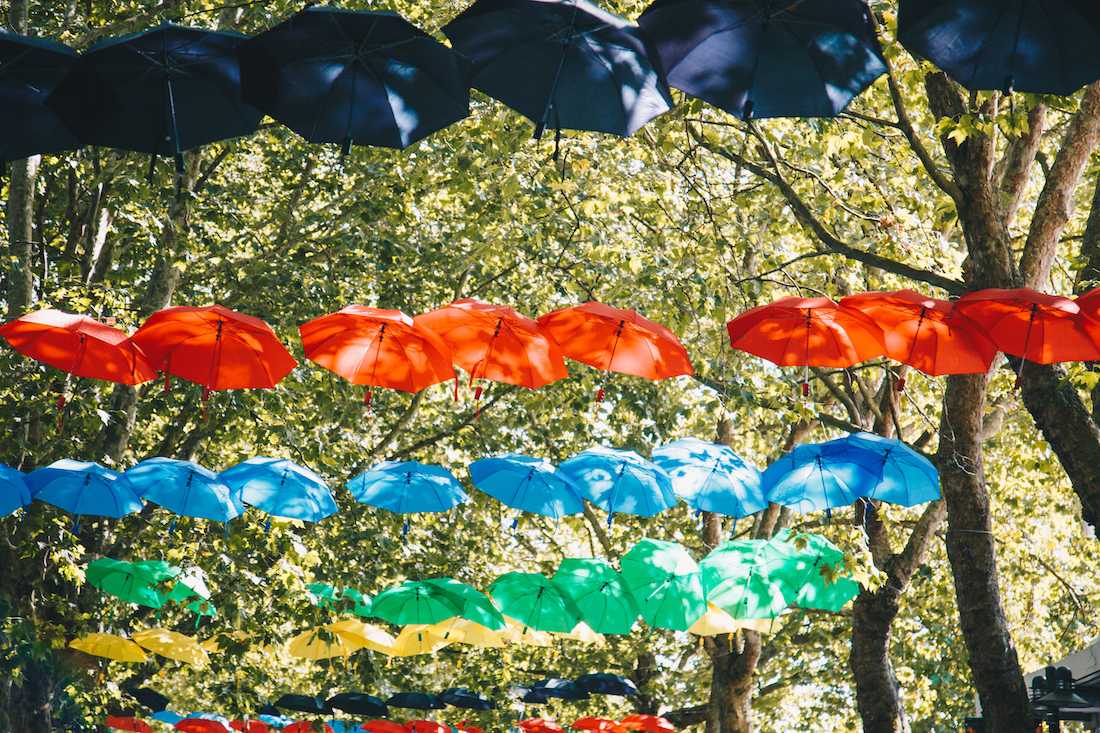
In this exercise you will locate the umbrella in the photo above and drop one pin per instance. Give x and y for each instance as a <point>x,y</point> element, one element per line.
<point>416,602</point>
<point>383,726</point>
<point>130,582</point>
<point>494,342</point>
<point>528,484</point>
<point>346,599</point>
<point>811,477</point>
<point>559,688</point>
<point>615,340</point>
<point>604,683</point>
<point>367,636</point>
<point>529,696</point>
<point>304,704</point>
<point>416,701</point>
<point>666,582</point>
<point>1044,47</point>
<point>710,477</point>
<point>716,622</point>
<point>599,593</point>
<point>751,579</point>
<point>754,58</point>
<point>14,493</point>
<point>161,91</point>
<point>281,488</point>
<point>925,333</point>
<point>250,726</point>
<point>426,726</point>
<point>647,723</point>
<point>535,601</point>
<point>201,725</point>
<point>563,64</point>
<point>340,76</point>
<point>149,698</point>
<point>906,477</point>
<point>358,703</point>
<point>321,642</point>
<point>460,697</point>
<point>417,639</point>
<point>598,725</point>
<point>465,727</point>
<point>30,69</point>
<point>214,346</point>
<point>620,481</point>
<point>185,488</point>
<point>823,583</point>
<point>377,347</point>
<point>84,489</point>
<point>408,487</point>
<point>169,717</point>
<point>125,722</point>
<point>109,646</point>
<point>305,726</point>
<point>539,725</point>
<point>473,604</point>
<point>517,632</point>
<point>583,633</point>
<point>189,583</point>
<point>77,345</point>
<point>807,332</point>
<point>471,633</point>
<point>172,645</point>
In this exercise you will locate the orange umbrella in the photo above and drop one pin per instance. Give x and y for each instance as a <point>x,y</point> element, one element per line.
<point>616,340</point>
<point>378,348</point>
<point>214,346</point>
<point>466,727</point>
<point>126,722</point>
<point>304,726</point>
<point>647,723</point>
<point>425,726</point>
<point>600,725</point>
<point>250,726</point>
<point>925,333</point>
<point>540,725</point>
<point>807,332</point>
<point>383,726</point>
<point>494,342</point>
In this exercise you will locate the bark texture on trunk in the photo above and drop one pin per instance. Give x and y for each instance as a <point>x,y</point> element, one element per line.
<point>877,691</point>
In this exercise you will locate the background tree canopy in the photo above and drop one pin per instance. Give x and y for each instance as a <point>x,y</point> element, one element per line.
<point>694,219</point>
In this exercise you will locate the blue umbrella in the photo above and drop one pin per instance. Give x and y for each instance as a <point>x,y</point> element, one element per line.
<point>408,487</point>
<point>415,701</point>
<point>185,488</point>
<point>1040,46</point>
<point>84,489</point>
<point>563,64</point>
<point>281,488</point>
<point>620,481</point>
<point>907,478</point>
<point>14,494</point>
<point>559,688</point>
<point>342,76</point>
<point>605,683</point>
<point>167,716</point>
<point>30,68</point>
<point>710,477</point>
<point>460,697</point>
<point>757,58</point>
<point>814,477</point>
<point>528,484</point>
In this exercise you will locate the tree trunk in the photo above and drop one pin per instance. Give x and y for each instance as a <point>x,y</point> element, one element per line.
<point>877,691</point>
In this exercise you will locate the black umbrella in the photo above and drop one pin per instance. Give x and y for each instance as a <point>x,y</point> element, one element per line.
<point>341,76</point>
<point>564,64</point>
<point>760,58</point>
<point>270,710</point>
<point>559,688</point>
<point>604,683</point>
<point>415,701</point>
<point>460,697</point>
<point>149,698</point>
<point>30,68</point>
<point>358,703</point>
<point>1040,46</point>
<point>304,704</point>
<point>161,92</point>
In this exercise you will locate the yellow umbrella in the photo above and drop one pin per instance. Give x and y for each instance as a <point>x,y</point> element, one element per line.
<point>321,642</point>
<point>418,639</point>
<point>213,645</point>
<point>109,646</point>
<point>516,632</point>
<point>471,633</point>
<point>716,621</point>
<point>172,645</point>
<point>366,636</point>
<point>583,633</point>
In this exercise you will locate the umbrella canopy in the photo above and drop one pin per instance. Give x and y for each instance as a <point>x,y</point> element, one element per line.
<point>666,583</point>
<point>341,76</point>
<point>77,345</point>
<point>925,333</point>
<point>149,698</point>
<point>84,489</point>
<point>172,645</point>
<point>185,488</point>
<point>306,726</point>
<point>1040,328</point>
<point>426,726</point>
<point>494,342</point>
<point>620,481</point>
<point>604,683</point>
<point>383,726</point>
<point>599,593</point>
<point>528,484</point>
<point>1029,45</point>
<point>647,723</point>
<point>340,600</point>
<point>417,639</point>
<point>710,477</point>
<point>473,604</point>
<point>716,622</point>
<point>321,642</point>
<point>559,688</point>
<point>214,346</point>
<point>416,701</point>
<point>250,726</point>
<point>906,477</point>
<point>169,717</point>
<point>14,492</point>
<point>358,703</point>
<point>281,488</point>
<point>751,579</point>
<point>820,565</point>
<point>377,347</point>
<point>408,487</point>
<point>598,725</point>
<point>539,725</point>
<point>161,91</point>
<point>535,601</point>
<point>416,602</point>
<point>303,704</point>
<point>201,725</point>
<point>583,633</point>
<point>133,582</point>
<point>754,58</point>
<point>460,697</point>
<point>30,69</point>
<point>109,646</point>
<point>517,632</point>
<point>812,477</point>
<point>471,633</point>
<point>127,722</point>
<point>367,636</point>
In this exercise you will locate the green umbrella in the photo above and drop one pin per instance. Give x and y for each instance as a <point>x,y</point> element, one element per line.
<point>825,585</point>
<point>357,602</point>
<point>534,601</point>
<point>202,607</point>
<point>348,600</point>
<point>751,579</point>
<point>666,584</point>
<point>133,582</point>
<point>600,594</point>
<point>322,594</point>
<point>415,602</point>
<point>474,605</point>
<point>189,584</point>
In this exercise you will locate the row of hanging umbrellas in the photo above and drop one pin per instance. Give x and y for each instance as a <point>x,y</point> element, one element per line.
<point>199,722</point>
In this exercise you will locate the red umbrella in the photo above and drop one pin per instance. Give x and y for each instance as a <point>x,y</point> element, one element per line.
<point>425,726</point>
<point>494,342</point>
<point>925,333</point>
<point>304,726</point>
<point>250,726</point>
<point>377,347</point>
<point>615,340</point>
<point>125,722</point>
<point>807,332</point>
<point>540,725</point>
<point>647,723</point>
<point>383,726</point>
<point>600,725</point>
<point>467,728</point>
<point>200,725</point>
<point>214,346</point>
